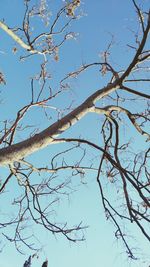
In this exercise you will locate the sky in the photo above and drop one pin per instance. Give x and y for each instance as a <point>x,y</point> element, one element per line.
<point>102,19</point>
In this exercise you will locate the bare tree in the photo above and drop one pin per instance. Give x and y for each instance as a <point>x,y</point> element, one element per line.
<point>121,166</point>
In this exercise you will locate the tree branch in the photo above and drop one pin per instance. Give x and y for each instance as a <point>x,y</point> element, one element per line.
<point>18,151</point>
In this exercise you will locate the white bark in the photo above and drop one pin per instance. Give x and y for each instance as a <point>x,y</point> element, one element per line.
<point>22,149</point>
<point>18,40</point>
<point>15,37</point>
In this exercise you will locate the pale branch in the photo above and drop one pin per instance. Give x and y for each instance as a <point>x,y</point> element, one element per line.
<point>47,136</point>
<point>44,138</point>
<point>132,117</point>
<point>16,174</point>
<point>16,38</point>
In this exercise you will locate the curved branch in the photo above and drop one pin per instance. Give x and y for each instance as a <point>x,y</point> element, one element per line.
<point>132,117</point>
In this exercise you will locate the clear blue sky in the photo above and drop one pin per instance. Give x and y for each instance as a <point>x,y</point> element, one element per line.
<point>102,19</point>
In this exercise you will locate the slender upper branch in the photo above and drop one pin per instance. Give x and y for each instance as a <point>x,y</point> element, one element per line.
<point>139,50</point>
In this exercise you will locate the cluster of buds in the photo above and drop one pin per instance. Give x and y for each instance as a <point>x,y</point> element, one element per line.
<point>72,6</point>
